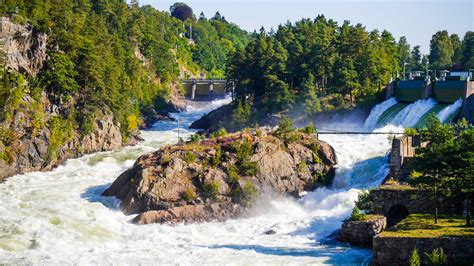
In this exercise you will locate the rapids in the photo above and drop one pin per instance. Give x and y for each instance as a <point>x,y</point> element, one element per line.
<point>60,217</point>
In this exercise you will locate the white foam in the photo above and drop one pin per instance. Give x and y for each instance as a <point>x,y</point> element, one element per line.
<point>444,114</point>
<point>377,111</point>
<point>59,217</point>
<point>411,114</point>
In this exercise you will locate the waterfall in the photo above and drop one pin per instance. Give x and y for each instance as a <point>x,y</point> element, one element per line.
<point>377,111</point>
<point>447,114</point>
<point>411,114</point>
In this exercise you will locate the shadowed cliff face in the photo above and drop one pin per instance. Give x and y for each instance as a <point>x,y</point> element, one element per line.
<point>219,178</point>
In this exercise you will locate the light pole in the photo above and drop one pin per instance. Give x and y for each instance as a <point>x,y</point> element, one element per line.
<point>404,72</point>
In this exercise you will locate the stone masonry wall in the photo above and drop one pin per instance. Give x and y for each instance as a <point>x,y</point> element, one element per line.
<point>361,233</point>
<point>397,250</point>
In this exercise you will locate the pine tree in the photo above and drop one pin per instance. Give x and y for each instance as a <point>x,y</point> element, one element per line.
<point>403,51</point>
<point>416,59</point>
<point>311,102</point>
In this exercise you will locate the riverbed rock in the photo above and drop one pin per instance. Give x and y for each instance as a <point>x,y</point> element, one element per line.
<point>214,180</point>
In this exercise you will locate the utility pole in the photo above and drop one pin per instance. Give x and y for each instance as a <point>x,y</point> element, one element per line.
<point>404,72</point>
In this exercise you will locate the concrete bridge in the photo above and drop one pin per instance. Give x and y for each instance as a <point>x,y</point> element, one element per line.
<point>207,89</point>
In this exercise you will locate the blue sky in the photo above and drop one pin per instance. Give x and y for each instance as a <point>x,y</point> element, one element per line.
<point>418,20</point>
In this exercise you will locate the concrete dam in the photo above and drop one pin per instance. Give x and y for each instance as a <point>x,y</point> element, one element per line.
<point>410,102</point>
<point>207,90</point>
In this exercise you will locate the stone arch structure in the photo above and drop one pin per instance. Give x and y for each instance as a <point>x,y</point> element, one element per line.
<point>395,214</point>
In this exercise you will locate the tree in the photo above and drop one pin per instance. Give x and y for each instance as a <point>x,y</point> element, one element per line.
<point>416,59</point>
<point>468,50</point>
<point>431,159</point>
<point>181,11</point>
<point>202,17</point>
<point>441,50</point>
<point>60,75</point>
<point>403,51</point>
<point>446,161</point>
<point>457,49</point>
<point>311,102</point>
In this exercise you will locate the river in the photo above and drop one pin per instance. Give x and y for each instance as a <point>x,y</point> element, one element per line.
<point>59,217</point>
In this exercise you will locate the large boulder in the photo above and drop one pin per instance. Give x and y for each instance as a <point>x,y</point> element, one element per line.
<point>219,178</point>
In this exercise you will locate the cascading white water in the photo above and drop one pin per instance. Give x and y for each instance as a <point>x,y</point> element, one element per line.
<point>377,111</point>
<point>411,114</point>
<point>60,217</point>
<point>449,111</point>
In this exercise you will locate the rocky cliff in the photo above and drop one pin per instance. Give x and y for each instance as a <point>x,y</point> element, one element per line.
<point>26,147</point>
<point>219,178</point>
<point>21,49</point>
<point>39,130</point>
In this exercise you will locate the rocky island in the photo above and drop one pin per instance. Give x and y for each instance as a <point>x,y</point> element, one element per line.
<point>219,178</point>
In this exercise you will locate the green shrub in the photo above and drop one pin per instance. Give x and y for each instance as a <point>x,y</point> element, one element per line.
<point>245,195</point>
<point>302,166</point>
<point>293,137</point>
<point>210,190</point>
<point>189,157</point>
<point>437,257</point>
<point>189,194</point>
<point>321,179</point>
<point>87,123</point>
<point>221,132</point>
<point>244,151</point>
<point>216,159</point>
<point>310,129</point>
<point>195,138</point>
<point>356,215</point>
<point>248,194</point>
<point>285,126</point>
<point>7,156</point>
<point>365,201</point>
<point>411,132</point>
<point>232,174</point>
<point>61,132</point>
<point>414,258</point>
<point>314,147</point>
<point>6,136</point>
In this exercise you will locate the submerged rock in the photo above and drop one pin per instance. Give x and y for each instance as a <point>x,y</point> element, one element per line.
<point>270,232</point>
<point>219,178</point>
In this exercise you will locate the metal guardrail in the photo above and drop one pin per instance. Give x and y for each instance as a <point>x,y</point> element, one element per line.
<point>326,131</point>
